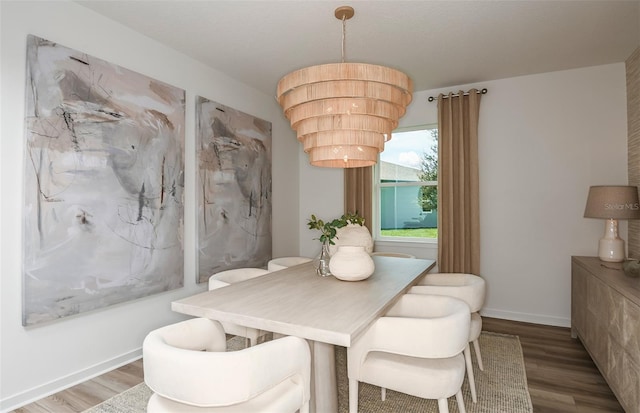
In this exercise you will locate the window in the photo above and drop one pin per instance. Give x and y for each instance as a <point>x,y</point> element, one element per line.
<point>406,186</point>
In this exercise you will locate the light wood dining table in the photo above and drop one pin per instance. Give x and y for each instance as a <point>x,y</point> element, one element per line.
<point>324,310</point>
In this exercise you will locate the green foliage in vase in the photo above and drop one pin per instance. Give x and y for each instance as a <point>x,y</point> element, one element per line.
<point>328,229</point>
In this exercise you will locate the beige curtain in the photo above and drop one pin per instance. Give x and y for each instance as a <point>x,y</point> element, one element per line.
<point>358,192</point>
<point>458,197</point>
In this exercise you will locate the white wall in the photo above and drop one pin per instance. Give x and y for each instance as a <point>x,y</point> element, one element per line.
<point>321,194</point>
<point>544,139</point>
<point>42,359</point>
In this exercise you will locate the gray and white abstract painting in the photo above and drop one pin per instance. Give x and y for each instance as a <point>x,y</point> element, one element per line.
<point>234,189</point>
<point>104,180</point>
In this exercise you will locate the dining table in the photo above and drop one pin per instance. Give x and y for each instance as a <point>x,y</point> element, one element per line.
<point>325,311</point>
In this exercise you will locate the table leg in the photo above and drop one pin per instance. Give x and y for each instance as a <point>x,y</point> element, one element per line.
<point>324,383</point>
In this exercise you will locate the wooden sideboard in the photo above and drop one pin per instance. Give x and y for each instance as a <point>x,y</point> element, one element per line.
<point>605,316</point>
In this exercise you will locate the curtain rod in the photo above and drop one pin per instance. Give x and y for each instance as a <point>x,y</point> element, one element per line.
<point>480,92</point>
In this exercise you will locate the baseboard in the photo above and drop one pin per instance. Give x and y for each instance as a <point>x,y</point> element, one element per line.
<point>29,396</point>
<point>526,317</point>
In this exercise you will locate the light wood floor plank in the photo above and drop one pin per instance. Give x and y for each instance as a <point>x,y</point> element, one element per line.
<point>561,375</point>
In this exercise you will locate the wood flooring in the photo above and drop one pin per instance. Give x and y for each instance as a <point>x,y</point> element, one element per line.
<point>560,373</point>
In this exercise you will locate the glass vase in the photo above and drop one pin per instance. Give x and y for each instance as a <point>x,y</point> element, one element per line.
<point>323,264</point>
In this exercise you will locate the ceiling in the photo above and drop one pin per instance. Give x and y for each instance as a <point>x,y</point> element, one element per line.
<point>437,43</point>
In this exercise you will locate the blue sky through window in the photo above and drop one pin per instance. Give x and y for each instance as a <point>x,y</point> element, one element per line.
<point>406,148</point>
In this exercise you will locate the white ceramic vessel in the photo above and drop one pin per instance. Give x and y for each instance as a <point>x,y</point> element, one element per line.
<point>352,234</point>
<point>351,263</point>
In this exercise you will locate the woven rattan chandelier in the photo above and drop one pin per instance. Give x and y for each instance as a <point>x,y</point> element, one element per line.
<point>343,113</point>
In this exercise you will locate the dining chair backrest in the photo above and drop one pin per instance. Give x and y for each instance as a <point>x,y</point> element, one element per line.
<point>187,366</point>
<point>224,278</point>
<point>420,327</point>
<point>415,348</point>
<point>286,262</point>
<point>468,287</point>
<point>393,254</point>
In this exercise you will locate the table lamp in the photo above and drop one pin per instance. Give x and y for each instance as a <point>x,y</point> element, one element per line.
<point>612,202</point>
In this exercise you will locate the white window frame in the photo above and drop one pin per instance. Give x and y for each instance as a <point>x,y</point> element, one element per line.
<point>377,185</point>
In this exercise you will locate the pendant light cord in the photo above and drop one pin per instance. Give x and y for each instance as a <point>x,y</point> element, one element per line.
<point>344,34</point>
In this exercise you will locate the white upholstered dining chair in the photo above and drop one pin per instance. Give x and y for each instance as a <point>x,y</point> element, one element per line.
<point>416,348</point>
<point>285,262</point>
<point>187,367</point>
<point>223,279</point>
<point>472,290</point>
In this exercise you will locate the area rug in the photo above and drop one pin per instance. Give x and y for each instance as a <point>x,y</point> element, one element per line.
<point>501,387</point>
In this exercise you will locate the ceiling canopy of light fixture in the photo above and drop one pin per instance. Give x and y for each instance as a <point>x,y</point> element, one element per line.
<point>343,113</point>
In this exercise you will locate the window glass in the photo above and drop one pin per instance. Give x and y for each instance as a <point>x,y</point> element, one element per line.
<point>407,186</point>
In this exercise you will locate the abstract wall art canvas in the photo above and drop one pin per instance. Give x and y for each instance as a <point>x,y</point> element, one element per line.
<point>234,189</point>
<point>104,180</point>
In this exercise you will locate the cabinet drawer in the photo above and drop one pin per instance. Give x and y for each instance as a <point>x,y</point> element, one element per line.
<point>605,312</point>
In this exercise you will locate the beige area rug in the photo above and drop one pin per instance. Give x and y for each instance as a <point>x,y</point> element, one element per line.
<point>502,386</point>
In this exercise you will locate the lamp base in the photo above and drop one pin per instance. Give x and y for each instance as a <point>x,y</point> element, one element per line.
<point>611,250</point>
<point>611,247</point>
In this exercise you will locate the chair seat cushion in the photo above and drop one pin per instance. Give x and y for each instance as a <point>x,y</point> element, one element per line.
<point>285,397</point>
<point>426,378</point>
